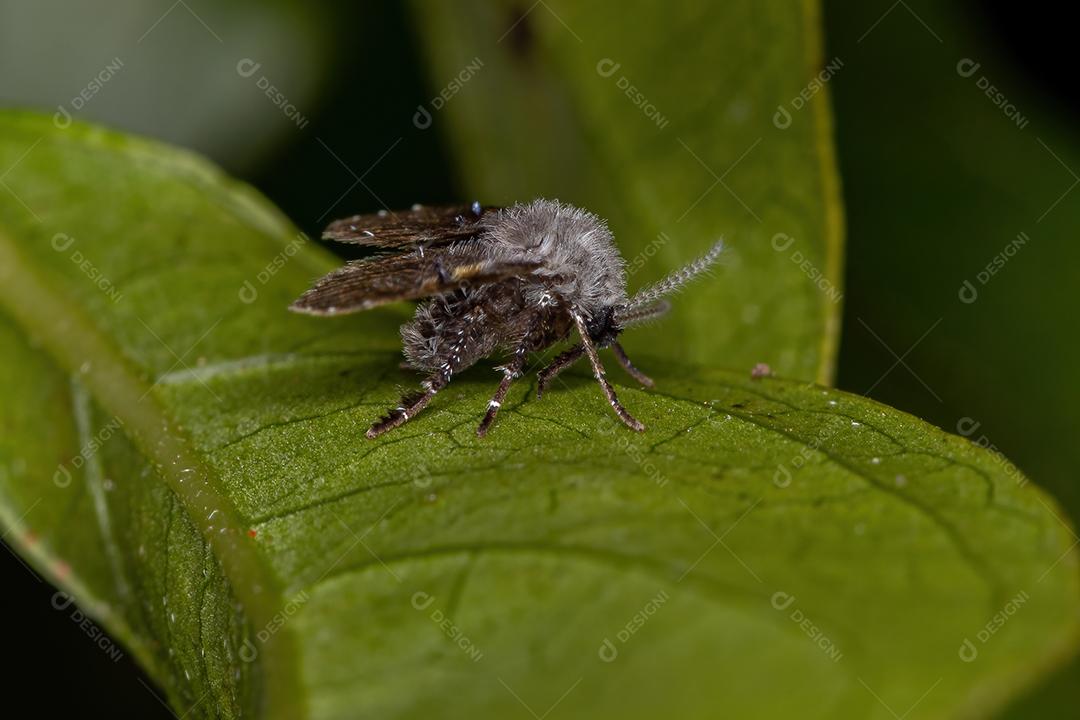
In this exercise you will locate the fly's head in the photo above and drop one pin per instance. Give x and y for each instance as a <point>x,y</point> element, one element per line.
<point>602,327</point>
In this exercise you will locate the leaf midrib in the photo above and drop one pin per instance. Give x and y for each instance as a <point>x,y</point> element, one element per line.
<point>72,339</point>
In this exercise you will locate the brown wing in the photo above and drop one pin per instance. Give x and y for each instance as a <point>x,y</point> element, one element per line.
<point>422,225</point>
<point>364,284</point>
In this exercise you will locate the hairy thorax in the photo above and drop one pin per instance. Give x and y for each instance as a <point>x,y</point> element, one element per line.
<point>580,264</point>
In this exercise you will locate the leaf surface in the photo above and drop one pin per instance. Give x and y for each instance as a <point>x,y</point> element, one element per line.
<point>768,548</point>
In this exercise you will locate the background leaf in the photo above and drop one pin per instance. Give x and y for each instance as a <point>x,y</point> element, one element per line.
<point>672,142</point>
<point>960,183</point>
<point>172,69</point>
<point>257,554</point>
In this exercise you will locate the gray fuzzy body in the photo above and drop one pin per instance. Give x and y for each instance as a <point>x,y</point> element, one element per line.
<point>581,264</point>
<point>508,281</point>
<point>580,270</point>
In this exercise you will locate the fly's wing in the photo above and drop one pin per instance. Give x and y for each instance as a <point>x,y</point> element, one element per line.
<point>364,284</point>
<point>421,226</point>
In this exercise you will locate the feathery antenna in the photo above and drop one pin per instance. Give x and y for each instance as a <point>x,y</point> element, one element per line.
<point>647,302</point>
<point>627,316</point>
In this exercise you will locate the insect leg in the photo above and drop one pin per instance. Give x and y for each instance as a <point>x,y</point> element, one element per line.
<point>628,366</point>
<point>598,371</point>
<point>560,363</point>
<point>409,406</point>
<point>511,371</point>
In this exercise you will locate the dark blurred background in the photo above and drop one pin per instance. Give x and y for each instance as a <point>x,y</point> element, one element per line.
<point>936,181</point>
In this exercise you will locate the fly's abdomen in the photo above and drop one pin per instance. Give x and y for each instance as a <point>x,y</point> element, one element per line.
<point>448,335</point>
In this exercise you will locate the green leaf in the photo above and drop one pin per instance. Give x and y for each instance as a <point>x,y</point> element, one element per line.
<point>186,459</point>
<point>960,185</point>
<point>674,142</point>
